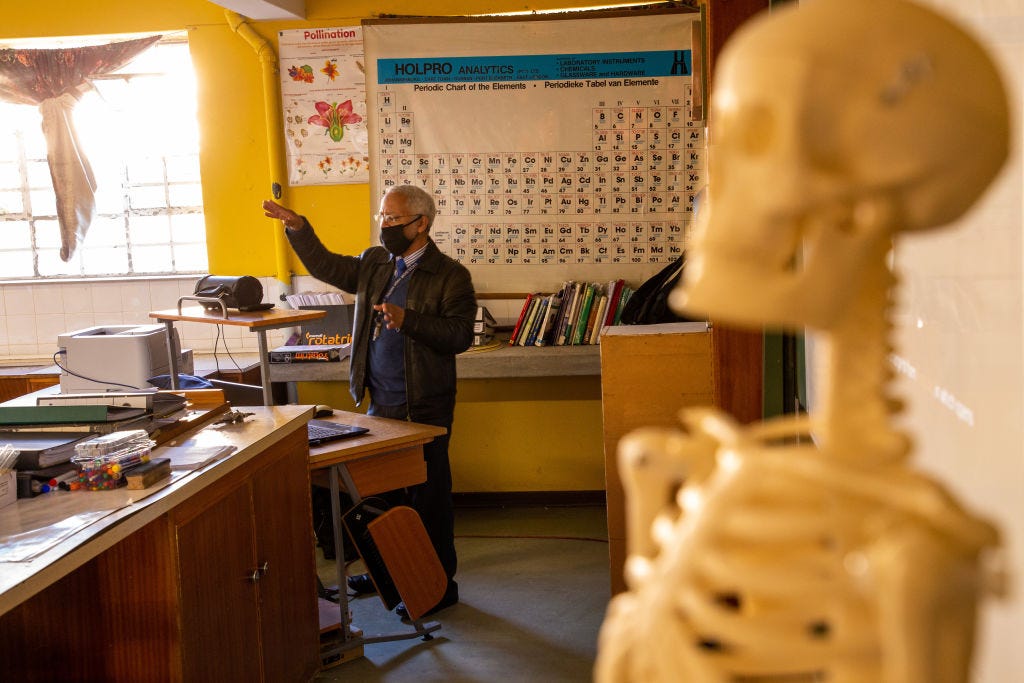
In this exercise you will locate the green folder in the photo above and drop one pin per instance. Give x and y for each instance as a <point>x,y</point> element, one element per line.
<point>51,415</point>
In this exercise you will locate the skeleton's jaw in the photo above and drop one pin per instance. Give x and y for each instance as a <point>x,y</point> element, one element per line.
<point>801,272</point>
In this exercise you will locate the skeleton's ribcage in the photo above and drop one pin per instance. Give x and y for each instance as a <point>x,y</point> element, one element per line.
<point>767,571</point>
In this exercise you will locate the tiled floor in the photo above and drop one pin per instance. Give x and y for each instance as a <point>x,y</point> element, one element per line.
<point>534,586</point>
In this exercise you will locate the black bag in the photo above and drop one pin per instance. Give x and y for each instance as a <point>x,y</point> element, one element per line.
<point>649,304</point>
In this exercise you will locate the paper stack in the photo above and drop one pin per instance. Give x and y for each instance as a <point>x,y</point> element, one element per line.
<point>314,299</point>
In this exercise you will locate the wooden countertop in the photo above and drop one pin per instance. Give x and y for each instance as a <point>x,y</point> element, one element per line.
<point>49,536</point>
<point>269,319</point>
<point>384,436</point>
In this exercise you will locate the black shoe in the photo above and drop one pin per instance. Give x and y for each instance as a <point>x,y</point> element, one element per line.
<point>362,584</point>
<point>451,597</point>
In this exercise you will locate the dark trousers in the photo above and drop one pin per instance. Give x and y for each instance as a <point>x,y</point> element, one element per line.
<point>433,498</point>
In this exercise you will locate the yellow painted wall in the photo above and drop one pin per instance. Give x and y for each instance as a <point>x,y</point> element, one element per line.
<point>509,435</point>
<point>515,434</point>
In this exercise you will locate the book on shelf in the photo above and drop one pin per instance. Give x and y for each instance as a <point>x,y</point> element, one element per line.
<point>626,293</point>
<point>596,321</point>
<point>531,315</point>
<point>544,333</point>
<point>537,318</point>
<point>483,327</point>
<point>564,333</point>
<point>613,300</point>
<point>583,316</point>
<point>482,339</point>
<point>574,314</point>
<point>559,315</point>
<point>522,316</point>
<point>595,307</point>
<point>333,353</point>
<point>484,322</point>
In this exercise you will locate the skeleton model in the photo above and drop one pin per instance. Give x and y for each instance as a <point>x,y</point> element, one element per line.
<point>808,549</point>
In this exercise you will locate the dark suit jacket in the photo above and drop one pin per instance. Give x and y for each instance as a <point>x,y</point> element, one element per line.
<point>439,314</point>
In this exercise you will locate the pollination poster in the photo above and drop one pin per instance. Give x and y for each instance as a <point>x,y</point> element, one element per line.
<point>324,105</point>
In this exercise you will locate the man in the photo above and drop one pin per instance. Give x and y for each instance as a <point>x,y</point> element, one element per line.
<point>414,311</point>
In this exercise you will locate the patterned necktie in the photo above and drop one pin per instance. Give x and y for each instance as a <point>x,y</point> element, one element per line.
<point>399,266</point>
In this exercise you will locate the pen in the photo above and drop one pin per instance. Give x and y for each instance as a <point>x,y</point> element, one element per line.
<point>61,478</point>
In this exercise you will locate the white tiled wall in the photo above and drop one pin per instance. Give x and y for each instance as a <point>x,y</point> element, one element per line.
<point>33,314</point>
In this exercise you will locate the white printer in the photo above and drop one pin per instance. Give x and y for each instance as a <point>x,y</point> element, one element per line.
<point>115,357</point>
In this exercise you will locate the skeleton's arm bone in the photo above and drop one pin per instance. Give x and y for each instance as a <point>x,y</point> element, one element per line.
<point>654,463</point>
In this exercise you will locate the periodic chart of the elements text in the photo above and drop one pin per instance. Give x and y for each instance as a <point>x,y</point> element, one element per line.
<point>544,165</point>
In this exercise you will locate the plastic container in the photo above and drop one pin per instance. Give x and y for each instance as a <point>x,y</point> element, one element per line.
<point>111,443</point>
<point>104,460</point>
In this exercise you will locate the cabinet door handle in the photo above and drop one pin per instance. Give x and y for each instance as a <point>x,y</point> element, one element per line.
<point>255,576</point>
<point>264,568</point>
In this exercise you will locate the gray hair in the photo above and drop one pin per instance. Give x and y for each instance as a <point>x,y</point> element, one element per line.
<point>417,200</point>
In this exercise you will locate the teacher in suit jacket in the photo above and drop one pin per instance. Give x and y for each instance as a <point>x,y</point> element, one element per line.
<point>414,311</point>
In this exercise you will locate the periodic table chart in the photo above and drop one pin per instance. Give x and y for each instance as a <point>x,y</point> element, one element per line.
<point>547,165</point>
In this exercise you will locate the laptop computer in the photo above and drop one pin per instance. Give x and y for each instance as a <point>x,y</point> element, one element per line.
<point>323,431</point>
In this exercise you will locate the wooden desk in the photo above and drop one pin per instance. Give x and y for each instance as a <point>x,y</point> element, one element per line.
<point>209,575</point>
<point>255,321</point>
<point>388,457</point>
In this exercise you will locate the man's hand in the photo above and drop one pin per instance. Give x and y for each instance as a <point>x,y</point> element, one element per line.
<point>291,220</point>
<point>394,315</point>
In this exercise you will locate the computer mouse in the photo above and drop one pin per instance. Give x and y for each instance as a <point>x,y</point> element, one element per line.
<point>323,411</point>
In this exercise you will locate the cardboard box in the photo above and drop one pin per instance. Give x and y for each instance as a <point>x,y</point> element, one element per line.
<point>8,488</point>
<point>333,330</point>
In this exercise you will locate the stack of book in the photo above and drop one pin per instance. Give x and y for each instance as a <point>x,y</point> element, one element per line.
<point>483,327</point>
<point>572,316</point>
<point>98,413</point>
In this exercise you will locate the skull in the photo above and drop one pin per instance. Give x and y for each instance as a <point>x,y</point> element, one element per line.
<point>833,127</point>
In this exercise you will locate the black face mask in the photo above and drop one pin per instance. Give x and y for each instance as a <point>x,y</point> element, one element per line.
<point>393,237</point>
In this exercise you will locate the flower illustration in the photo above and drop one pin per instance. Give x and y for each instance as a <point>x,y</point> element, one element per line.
<point>301,73</point>
<point>334,117</point>
<point>330,69</point>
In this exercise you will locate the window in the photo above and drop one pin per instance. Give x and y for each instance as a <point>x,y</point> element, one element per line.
<point>140,134</point>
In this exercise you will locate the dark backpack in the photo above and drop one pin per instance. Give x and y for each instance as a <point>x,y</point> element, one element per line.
<point>649,303</point>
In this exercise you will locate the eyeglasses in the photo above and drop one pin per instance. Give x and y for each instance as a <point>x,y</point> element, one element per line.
<point>389,220</point>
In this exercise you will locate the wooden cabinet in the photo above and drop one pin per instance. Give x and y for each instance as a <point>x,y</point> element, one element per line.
<point>245,558</point>
<point>648,374</point>
<point>220,587</point>
<point>285,550</point>
<point>220,615</point>
<point>15,385</point>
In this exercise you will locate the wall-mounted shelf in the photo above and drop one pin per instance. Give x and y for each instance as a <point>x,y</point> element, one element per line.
<point>507,361</point>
